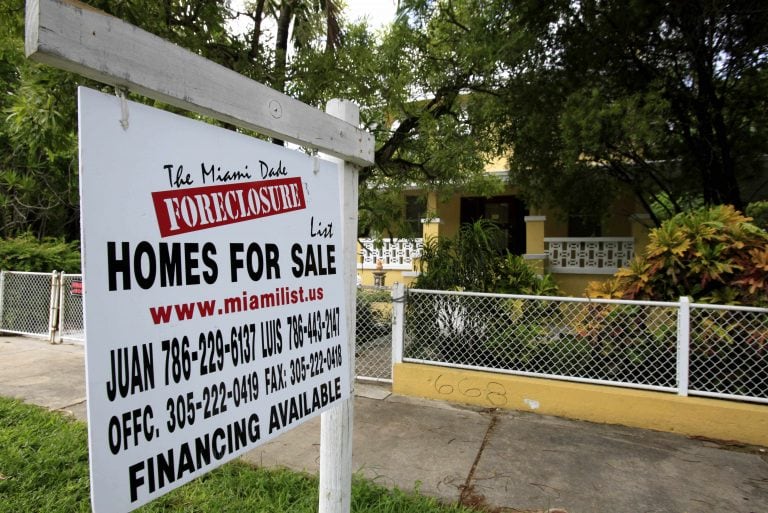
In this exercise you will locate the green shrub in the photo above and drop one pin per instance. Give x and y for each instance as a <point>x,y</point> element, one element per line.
<point>465,262</point>
<point>515,276</point>
<point>475,260</point>
<point>461,329</point>
<point>26,253</point>
<point>710,254</point>
<point>758,211</point>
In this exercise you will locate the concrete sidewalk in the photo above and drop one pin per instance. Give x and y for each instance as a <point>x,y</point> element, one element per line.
<point>507,461</point>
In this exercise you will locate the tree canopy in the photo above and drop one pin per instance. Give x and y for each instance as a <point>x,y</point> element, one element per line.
<point>667,99</point>
<point>38,144</point>
<point>418,141</point>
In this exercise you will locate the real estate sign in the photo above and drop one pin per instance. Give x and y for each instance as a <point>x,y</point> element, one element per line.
<point>214,301</point>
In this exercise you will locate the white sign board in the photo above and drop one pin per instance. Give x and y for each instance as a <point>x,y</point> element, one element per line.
<point>214,303</point>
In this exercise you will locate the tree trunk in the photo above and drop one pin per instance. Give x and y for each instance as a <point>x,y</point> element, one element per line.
<point>718,173</point>
<point>281,44</point>
<point>281,50</point>
<point>258,15</point>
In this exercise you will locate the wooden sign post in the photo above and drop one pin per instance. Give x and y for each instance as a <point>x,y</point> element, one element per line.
<point>74,37</point>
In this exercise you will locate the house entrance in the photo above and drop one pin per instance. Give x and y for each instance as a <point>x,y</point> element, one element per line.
<point>508,212</point>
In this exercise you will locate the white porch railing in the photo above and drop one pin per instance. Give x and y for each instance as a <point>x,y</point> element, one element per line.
<point>588,255</point>
<point>395,254</point>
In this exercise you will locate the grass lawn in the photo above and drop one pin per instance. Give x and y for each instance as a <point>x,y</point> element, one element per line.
<point>44,467</point>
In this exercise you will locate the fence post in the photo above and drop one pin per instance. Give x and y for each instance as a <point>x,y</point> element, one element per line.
<point>2,295</point>
<point>398,324</point>
<point>683,344</point>
<point>53,316</point>
<point>62,308</point>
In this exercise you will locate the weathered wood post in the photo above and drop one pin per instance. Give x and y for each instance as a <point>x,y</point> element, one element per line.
<point>336,424</point>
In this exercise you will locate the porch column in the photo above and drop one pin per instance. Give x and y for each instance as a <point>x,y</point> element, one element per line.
<point>534,242</point>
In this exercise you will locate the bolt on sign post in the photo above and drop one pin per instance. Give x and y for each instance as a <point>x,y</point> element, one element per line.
<point>218,304</point>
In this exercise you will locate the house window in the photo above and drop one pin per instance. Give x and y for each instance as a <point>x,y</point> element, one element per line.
<point>584,226</point>
<point>415,211</point>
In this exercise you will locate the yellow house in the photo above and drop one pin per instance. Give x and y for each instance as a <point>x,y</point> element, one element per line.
<point>575,251</point>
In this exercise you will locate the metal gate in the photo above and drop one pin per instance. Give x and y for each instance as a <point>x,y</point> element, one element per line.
<point>373,346</point>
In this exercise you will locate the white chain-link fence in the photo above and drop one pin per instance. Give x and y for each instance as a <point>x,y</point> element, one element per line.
<point>729,352</point>
<point>44,305</point>
<point>373,345</point>
<point>707,350</point>
<point>27,301</point>
<point>638,344</point>
<point>50,305</point>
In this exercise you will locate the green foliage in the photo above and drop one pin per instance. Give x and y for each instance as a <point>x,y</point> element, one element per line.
<point>475,261</point>
<point>381,212</point>
<point>38,144</point>
<point>621,343</point>
<point>468,261</point>
<point>515,276</point>
<point>43,460</point>
<point>438,143</point>
<point>666,99</point>
<point>455,326</point>
<point>710,254</point>
<point>373,315</point>
<point>758,211</point>
<point>412,84</point>
<point>26,253</point>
